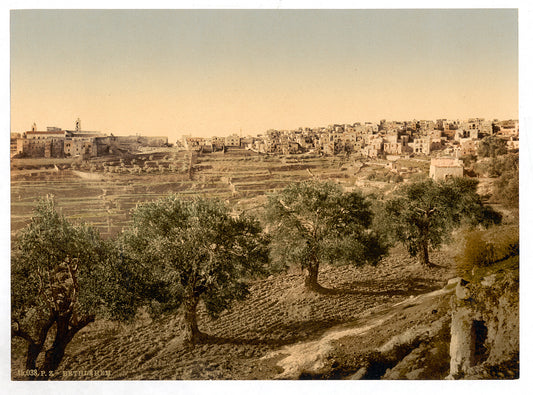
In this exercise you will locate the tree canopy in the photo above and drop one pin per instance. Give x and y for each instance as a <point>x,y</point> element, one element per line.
<point>192,250</point>
<point>492,146</point>
<point>506,187</point>
<point>423,214</point>
<point>62,275</point>
<point>313,222</point>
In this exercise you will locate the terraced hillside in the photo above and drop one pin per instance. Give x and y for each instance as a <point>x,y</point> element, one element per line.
<point>103,191</point>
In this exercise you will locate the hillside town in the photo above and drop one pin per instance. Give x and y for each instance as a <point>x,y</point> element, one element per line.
<point>445,141</point>
<point>372,140</point>
<point>455,138</point>
<point>430,318</point>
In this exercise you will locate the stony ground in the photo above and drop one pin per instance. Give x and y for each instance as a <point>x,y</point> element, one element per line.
<point>253,340</point>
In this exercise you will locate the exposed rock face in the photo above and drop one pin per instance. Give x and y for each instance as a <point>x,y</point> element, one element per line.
<point>414,366</point>
<point>463,336</point>
<point>462,342</point>
<point>485,329</point>
<point>503,331</point>
<point>462,290</point>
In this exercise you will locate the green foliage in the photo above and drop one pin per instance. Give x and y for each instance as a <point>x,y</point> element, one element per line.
<point>468,160</point>
<point>424,213</point>
<point>506,169</point>
<point>477,251</point>
<point>387,176</point>
<point>507,189</point>
<point>491,147</point>
<point>193,249</point>
<point>47,242</point>
<point>507,184</point>
<point>419,177</point>
<point>312,222</point>
<point>381,220</point>
<point>495,167</point>
<point>484,247</point>
<point>62,275</point>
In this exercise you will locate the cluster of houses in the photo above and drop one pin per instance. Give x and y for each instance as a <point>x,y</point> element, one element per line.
<point>453,138</point>
<point>55,142</point>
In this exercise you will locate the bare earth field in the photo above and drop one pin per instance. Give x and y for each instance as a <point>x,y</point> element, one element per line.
<point>279,332</point>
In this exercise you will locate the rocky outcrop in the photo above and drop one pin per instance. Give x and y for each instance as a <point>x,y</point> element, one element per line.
<point>466,330</point>
<point>485,328</point>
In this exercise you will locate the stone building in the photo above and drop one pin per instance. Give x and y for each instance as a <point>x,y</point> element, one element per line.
<point>80,146</point>
<point>55,142</point>
<point>191,143</point>
<point>41,148</point>
<point>508,128</point>
<point>374,147</point>
<point>469,147</point>
<point>47,143</point>
<point>13,143</point>
<point>442,168</point>
<point>422,145</point>
<point>233,141</point>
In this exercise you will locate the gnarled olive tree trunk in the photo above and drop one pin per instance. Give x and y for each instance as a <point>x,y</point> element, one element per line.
<point>192,334</point>
<point>310,269</point>
<point>54,355</point>
<point>423,253</point>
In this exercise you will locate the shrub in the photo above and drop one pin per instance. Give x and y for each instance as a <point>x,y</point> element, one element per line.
<point>483,248</point>
<point>492,146</point>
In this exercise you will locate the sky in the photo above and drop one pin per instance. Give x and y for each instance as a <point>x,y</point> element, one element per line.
<point>217,72</point>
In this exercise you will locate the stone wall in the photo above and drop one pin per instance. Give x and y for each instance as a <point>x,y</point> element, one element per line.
<point>441,168</point>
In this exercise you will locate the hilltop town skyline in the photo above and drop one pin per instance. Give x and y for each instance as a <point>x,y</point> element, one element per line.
<point>367,139</point>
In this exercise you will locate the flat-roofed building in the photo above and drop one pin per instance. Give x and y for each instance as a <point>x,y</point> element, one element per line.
<point>444,167</point>
<point>233,141</point>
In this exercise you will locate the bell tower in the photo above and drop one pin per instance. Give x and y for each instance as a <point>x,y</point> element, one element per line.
<point>78,125</point>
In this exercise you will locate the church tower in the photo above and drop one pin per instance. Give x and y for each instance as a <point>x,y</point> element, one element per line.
<point>78,125</point>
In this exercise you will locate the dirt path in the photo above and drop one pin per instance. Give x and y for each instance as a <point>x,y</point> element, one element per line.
<point>276,333</point>
<point>314,356</point>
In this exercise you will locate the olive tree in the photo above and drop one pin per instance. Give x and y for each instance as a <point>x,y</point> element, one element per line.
<point>313,222</point>
<point>62,276</point>
<point>191,251</point>
<point>492,146</point>
<point>423,214</point>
